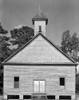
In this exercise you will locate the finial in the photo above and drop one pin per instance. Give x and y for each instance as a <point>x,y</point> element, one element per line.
<point>39,9</point>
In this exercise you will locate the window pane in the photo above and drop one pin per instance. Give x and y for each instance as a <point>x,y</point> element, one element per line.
<point>16,84</point>
<point>42,86</point>
<point>36,86</point>
<point>27,97</point>
<point>12,96</point>
<point>65,97</point>
<point>51,97</point>
<point>16,79</point>
<point>62,81</point>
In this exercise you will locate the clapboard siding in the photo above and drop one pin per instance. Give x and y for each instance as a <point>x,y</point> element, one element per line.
<point>50,73</point>
<point>39,51</point>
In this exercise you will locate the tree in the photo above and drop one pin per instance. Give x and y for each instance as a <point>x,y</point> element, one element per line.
<point>4,44</point>
<point>70,45</point>
<point>65,44</point>
<point>74,45</point>
<point>4,52</point>
<point>21,36</point>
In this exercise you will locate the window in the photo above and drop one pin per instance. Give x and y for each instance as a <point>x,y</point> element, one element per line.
<point>39,86</point>
<point>62,81</point>
<point>40,29</point>
<point>13,97</point>
<point>51,97</point>
<point>65,97</point>
<point>27,97</point>
<point>16,82</point>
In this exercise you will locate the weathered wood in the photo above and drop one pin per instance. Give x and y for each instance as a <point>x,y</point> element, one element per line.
<point>39,51</point>
<point>50,73</point>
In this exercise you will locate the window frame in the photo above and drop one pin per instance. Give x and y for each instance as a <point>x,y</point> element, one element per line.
<point>51,97</point>
<point>13,97</point>
<point>64,97</point>
<point>26,96</point>
<point>16,82</point>
<point>39,85</point>
<point>64,81</point>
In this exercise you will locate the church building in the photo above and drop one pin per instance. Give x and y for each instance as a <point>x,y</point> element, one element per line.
<point>39,69</point>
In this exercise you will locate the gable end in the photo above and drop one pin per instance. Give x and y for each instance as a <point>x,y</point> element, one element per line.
<point>47,41</point>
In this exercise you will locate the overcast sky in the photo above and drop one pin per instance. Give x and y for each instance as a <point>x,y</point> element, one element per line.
<point>62,15</point>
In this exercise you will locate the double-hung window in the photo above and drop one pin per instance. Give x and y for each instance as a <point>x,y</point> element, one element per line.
<point>62,81</point>
<point>16,82</point>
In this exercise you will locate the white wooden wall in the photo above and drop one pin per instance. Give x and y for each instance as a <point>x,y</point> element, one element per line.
<point>50,73</point>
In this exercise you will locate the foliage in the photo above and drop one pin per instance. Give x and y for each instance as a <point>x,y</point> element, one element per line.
<point>4,49</point>
<point>70,45</point>
<point>4,52</point>
<point>4,44</point>
<point>21,35</point>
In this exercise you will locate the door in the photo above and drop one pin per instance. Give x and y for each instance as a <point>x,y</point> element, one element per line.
<point>39,86</point>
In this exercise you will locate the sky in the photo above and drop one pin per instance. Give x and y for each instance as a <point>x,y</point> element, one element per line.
<point>62,15</point>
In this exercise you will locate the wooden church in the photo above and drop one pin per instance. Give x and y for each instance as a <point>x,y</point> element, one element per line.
<point>39,69</point>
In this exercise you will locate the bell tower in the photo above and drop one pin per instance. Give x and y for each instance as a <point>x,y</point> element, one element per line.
<point>40,22</point>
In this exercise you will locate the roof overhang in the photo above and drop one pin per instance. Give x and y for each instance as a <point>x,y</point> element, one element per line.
<point>41,64</point>
<point>40,19</point>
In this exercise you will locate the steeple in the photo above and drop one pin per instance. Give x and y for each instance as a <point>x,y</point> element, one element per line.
<point>40,21</point>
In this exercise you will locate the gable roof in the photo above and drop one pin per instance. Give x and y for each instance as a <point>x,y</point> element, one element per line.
<point>33,40</point>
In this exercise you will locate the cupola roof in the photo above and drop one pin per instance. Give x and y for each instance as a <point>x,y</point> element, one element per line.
<point>40,17</point>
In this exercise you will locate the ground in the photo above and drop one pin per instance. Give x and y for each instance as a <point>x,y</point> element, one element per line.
<point>0,97</point>
<point>77,96</point>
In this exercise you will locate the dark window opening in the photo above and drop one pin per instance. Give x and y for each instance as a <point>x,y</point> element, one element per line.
<point>50,97</point>
<point>40,29</point>
<point>13,97</point>
<point>16,79</point>
<point>65,97</point>
<point>62,81</point>
<point>16,82</point>
<point>27,97</point>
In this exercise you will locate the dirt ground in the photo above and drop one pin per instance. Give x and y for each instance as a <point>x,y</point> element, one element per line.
<point>77,96</point>
<point>1,97</point>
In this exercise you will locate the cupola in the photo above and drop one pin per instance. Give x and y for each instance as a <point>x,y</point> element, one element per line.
<point>40,22</point>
